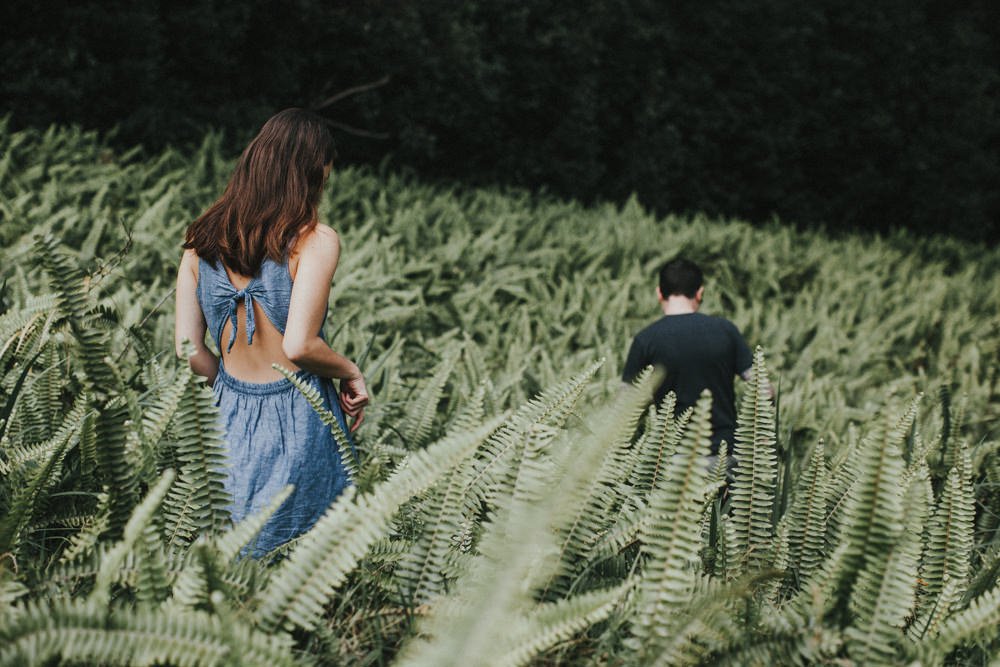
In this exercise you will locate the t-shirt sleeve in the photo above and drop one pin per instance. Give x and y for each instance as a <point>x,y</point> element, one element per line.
<point>635,361</point>
<point>744,357</point>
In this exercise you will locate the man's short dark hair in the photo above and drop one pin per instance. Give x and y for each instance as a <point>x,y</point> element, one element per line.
<point>680,276</point>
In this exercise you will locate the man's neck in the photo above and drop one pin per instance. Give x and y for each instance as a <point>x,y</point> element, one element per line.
<point>679,305</point>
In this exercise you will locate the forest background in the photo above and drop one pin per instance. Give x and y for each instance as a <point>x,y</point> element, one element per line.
<point>848,115</point>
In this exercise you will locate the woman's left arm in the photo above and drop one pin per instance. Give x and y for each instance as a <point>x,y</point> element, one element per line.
<point>189,323</point>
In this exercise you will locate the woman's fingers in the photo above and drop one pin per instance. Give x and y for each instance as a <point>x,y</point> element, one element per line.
<point>353,402</point>
<point>357,421</point>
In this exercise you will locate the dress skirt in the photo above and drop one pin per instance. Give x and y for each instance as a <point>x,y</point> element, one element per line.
<point>274,438</point>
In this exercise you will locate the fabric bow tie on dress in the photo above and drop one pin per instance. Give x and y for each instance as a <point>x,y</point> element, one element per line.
<point>234,300</point>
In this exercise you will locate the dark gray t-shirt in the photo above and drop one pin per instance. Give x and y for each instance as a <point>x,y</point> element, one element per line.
<point>698,352</point>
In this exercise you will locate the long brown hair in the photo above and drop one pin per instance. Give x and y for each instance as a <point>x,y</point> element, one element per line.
<point>272,195</point>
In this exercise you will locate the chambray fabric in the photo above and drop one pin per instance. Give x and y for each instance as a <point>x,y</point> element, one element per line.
<point>273,436</point>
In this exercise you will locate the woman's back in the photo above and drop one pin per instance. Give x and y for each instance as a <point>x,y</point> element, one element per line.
<point>248,345</point>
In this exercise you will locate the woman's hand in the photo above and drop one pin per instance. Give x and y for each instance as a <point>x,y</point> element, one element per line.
<point>353,399</point>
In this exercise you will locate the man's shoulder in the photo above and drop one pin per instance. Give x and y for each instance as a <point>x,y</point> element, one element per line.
<point>652,330</point>
<point>722,322</point>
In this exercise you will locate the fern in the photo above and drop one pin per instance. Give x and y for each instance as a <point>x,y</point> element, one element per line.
<point>872,516</point>
<point>29,499</point>
<point>418,422</point>
<point>949,541</point>
<point>754,487</point>
<point>421,569</point>
<point>494,465</point>
<point>806,517</point>
<point>322,559</point>
<point>977,622</point>
<point>591,503</point>
<point>658,445</point>
<point>79,631</point>
<point>131,534</point>
<point>113,467</point>
<point>671,538</point>
<point>518,553</point>
<point>198,501</point>
<point>551,623</point>
<point>345,446</point>
<point>884,595</point>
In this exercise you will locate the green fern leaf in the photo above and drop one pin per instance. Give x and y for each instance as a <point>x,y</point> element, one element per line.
<point>131,534</point>
<point>198,501</point>
<point>590,504</point>
<point>872,516</point>
<point>806,517</point>
<point>555,622</point>
<point>299,588</point>
<point>756,474</point>
<point>671,539</point>
<point>658,445</point>
<point>348,454</point>
<point>884,595</point>
<point>82,632</point>
<point>977,622</point>
<point>949,543</point>
<point>30,498</point>
<point>418,422</point>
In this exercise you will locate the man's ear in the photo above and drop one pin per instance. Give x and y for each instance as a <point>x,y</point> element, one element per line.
<point>659,294</point>
<point>700,294</point>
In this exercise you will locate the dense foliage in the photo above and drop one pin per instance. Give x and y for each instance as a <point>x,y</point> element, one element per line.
<point>513,505</point>
<point>846,113</point>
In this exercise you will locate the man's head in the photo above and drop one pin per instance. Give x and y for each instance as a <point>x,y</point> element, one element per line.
<point>680,277</point>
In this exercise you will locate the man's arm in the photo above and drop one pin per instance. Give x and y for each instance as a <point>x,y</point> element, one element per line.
<point>748,376</point>
<point>744,359</point>
<point>634,362</point>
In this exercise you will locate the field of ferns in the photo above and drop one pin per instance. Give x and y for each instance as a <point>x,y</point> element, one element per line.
<point>514,503</point>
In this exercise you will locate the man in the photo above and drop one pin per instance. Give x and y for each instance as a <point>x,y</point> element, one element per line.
<point>697,351</point>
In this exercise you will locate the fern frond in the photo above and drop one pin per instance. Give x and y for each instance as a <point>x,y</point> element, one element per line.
<point>131,534</point>
<point>297,591</point>
<point>82,632</point>
<point>756,474</point>
<point>671,539</point>
<point>422,409</point>
<point>114,469</point>
<point>872,516</point>
<point>884,595</point>
<point>472,413</point>
<point>806,517</point>
<point>199,500</point>
<point>348,454</point>
<point>555,622</point>
<point>949,544</point>
<point>86,539</point>
<point>706,624</point>
<point>658,445</point>
<point>591,502</point>
<point>424,568</point>
<point>495,463</point>
<point>158,415</point>
<point>978,621</point>
<point>29,499</point>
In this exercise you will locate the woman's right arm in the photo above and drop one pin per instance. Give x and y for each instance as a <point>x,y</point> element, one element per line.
<point>189,322</point>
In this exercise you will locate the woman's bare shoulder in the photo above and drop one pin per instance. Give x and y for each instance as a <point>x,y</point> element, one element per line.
<point>321,240</point>
<point>189,261</point>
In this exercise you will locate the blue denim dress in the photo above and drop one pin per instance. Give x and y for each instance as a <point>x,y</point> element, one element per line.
<point>273,436</point>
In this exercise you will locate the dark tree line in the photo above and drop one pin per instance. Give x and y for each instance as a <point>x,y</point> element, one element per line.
<point>846,113</point>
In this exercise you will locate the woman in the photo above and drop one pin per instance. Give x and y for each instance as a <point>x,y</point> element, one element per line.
<point>256,274</point>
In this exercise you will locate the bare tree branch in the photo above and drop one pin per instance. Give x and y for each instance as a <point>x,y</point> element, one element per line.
<point>357,131</point>
<point>352,91</point>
